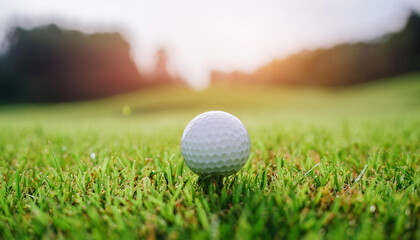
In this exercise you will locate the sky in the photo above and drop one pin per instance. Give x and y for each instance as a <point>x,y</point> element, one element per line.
<point>201,36</point>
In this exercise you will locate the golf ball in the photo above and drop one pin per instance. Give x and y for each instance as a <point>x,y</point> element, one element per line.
<point>215,142</point>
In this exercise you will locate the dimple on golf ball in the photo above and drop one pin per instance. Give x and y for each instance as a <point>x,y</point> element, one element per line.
<point>215,142</point>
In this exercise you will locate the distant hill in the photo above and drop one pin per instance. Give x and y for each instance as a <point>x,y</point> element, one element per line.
<point>340,65</point>
<point>48,64</point>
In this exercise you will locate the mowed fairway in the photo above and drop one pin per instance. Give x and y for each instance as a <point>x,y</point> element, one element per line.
<point>324,164</point>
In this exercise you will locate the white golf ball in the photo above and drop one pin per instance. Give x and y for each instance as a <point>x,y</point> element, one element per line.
<point>215,142</point>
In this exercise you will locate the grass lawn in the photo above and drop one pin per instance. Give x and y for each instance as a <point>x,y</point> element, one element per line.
<point>340,164</point>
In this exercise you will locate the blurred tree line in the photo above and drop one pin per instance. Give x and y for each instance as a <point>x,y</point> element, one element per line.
<point>48,64</point>
<point>340,65</point>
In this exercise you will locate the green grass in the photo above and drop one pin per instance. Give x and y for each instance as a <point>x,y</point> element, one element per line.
<point>338,164</point>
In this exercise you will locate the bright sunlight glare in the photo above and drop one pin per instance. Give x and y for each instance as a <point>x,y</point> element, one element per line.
<point>201,36</point>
